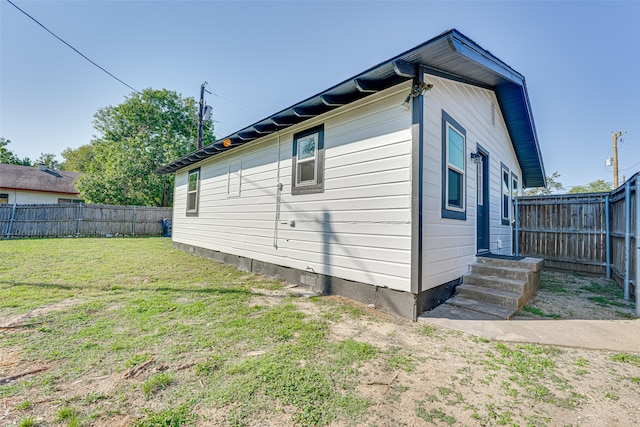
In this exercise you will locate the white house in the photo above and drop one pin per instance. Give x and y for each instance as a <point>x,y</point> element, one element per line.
<point>37,185</point>
<point>382,188</point>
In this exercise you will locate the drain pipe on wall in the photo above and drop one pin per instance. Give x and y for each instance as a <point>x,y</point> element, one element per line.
<point>278,195</point>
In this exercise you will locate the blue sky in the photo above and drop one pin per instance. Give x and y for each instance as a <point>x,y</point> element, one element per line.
<point>581,61</point>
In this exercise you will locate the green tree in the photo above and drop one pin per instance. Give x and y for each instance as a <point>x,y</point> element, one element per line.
<point>553,185</point>
<point>78,159</point>
<point>49,160</point>
<point>8,157</point>
<point>598,186</point>
<point>135,138</point>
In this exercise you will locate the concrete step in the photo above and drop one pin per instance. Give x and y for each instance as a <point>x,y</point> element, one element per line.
<point>458,312</point>
<point>496,282</point>
<point>501,271</point>
<point>484,308</point>
<point>533,264</point>
<point>512,300</point>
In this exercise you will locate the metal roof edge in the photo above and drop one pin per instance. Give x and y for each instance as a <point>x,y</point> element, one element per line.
<point>467,47</point>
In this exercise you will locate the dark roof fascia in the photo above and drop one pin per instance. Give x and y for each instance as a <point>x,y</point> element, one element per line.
<point>466,61</point>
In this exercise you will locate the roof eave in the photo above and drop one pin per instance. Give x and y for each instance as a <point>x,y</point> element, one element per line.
<point>492,73</point>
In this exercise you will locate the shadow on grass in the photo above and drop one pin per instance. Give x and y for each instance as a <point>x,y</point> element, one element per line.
<point>42,285</point>
<point>209,291</point>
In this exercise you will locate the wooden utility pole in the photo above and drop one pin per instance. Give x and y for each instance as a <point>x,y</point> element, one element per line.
<point>615,136</point>
<point>201,113</point>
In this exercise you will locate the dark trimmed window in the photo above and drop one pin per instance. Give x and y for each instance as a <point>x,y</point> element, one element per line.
<point>514,191</point>
<point>506,194</point>
<point>4,198</point>
<point>308,161</point>
<point>193,190</point>
<point>454,166</point>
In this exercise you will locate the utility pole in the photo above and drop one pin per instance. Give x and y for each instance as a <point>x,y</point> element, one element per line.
<point>201,113</point>
<point>615,136</point>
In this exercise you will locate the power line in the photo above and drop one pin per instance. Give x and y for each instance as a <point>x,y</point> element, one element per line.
<point>236,102</point>
<point>75,50</point>
<point>630,167</point>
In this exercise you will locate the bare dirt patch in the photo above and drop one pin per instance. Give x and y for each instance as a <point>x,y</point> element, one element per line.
<point>574,296</point>
<point>24,319</point>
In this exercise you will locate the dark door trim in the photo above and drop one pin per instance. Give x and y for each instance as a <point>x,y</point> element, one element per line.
<point>482,202</point>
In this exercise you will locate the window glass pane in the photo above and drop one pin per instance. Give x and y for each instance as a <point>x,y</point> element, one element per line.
<point>307,147</point>
<point>191,201</point>
<point>193,181</point>
<point>454,196</point>
<point>307,161</point>
<point>514,187</point>
<point>505,194</point>
<point>192,191</point>
<point>306,172</point>
<point>456,149</point>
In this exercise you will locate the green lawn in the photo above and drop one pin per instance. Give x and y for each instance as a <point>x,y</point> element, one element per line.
<point>127,301</point>
<point>130,332</point>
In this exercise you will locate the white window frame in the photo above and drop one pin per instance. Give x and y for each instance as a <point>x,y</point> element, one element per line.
<point>505,193</point>
<point>314,159</point>
<point>462,172</point>
<point>448,210</point>
<point>193,193</point>
<point>317,184</point>
<point>515,187</point>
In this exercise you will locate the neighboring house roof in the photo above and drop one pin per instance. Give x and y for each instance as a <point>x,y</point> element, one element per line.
<point>38,179</point>
<point>450,55</point>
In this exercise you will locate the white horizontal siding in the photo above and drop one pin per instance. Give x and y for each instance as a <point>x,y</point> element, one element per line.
<point>358,229</point>
<point>24,197</point>
<point>449,245</point>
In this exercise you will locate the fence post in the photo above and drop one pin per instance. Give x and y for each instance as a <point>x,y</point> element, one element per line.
<point>627,239</point>
<point>79,219</point>
<point>517,237</point>
<point>13,216</point>
<point>133,223</point>
<point>637,245</point>
<point>607,237</point>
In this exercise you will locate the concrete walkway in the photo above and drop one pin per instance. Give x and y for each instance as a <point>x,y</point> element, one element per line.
<point>613,335</point>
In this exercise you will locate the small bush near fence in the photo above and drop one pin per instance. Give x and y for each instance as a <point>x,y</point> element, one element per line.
<point>80,220</point>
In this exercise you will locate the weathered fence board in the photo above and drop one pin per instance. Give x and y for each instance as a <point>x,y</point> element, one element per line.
<point>568,231</point>
<point>590,233</point>
<point>76,220</point>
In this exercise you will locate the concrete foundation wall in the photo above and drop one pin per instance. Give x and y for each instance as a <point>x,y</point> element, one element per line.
<point>399,303</point>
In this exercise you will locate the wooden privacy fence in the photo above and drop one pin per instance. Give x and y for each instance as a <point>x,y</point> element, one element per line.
<point>595,233</point>
<point>569,230</point>
<point>80,220</point>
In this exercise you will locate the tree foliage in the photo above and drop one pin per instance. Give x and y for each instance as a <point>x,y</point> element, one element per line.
<point>598,186</point>
<point>78,159</point>
<point>8,157</point>
<point>49,160</point>
<point>553,185</point>
<point>135,138</point>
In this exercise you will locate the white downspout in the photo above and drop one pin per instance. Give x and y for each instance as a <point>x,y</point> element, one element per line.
<point>278,196</point>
